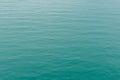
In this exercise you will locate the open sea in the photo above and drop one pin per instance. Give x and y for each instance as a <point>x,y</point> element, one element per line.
<point>59,39</point>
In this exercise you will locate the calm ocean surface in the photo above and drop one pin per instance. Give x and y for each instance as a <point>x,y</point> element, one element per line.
<point>59,39</point>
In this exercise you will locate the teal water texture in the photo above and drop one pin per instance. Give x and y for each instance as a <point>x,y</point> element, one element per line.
<point>59,40</point>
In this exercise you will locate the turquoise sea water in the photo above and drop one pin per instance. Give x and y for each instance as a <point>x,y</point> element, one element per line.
<point>59,39</point>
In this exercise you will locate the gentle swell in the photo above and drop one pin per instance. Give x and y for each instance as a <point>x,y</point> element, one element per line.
<point>59,40</point>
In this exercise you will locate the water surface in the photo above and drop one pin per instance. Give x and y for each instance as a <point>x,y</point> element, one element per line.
<point>59,40</point>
